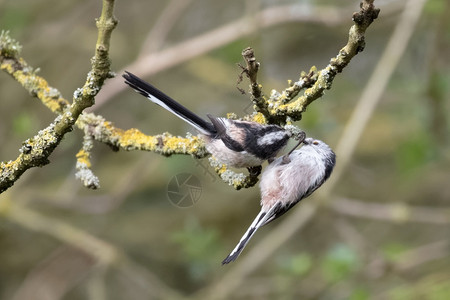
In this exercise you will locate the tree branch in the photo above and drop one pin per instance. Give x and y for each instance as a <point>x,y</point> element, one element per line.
<point>356,42</point>
<point>35,151</point>
<point>14,65</point>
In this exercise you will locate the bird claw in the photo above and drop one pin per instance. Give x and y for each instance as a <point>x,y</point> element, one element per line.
<point>254,171</point>
<point>302,136</point>
<point>286,159</point>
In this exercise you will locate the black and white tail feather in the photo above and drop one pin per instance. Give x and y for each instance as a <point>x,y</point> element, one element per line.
<point>156,96</point>
<point>261,219</point>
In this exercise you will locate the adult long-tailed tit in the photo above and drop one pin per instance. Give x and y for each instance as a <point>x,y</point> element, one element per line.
<point>236,143</point>
<point>286,181</point>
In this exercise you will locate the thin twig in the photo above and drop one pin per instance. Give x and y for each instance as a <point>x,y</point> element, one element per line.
<point>375,87</point>
<point>356,43</point>
<point>35,151</point>
<point>251,71</point>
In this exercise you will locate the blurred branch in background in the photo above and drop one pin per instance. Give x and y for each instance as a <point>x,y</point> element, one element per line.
<point>397,212</point>
<point>102,255</point>
<point>66,267</point>
<point>375,87</point>
<point>159,31</point>
<point>374,270</point>
<point>54,276</point>
<point>409,260</point>
<point>403,263</point>
<point>152,63</point>
<point>27,218</point>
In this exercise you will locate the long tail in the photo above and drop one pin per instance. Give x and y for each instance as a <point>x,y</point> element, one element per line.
<point>158,97</point>
<point>260,220</point>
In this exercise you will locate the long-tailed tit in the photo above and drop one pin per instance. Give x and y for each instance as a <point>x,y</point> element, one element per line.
<point>286,181</point>
<point>236,143</point>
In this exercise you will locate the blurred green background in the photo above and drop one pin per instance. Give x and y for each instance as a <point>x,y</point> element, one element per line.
<point>401,163</point>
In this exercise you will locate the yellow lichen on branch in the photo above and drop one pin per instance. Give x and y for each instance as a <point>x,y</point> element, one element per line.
<point>83,165</point>
<point>279,110</point>
<point>26,76</point>
<point>36,151</point>
<point>236,180</point>
<point>83,157</point>
<point>133,139</point>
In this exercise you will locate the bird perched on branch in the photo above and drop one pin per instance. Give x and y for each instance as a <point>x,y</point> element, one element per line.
<point>236,143</point>
<point>286,181</point>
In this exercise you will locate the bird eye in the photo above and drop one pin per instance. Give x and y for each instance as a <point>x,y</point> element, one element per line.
<point>315,143</point>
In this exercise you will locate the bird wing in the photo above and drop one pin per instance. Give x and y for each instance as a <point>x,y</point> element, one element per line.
<point>222,133</point>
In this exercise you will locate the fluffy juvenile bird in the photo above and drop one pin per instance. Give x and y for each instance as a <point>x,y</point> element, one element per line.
<point>286,181</point>
<point>236,143</point>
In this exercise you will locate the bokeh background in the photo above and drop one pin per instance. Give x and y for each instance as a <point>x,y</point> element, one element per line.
<point>379,230</point>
